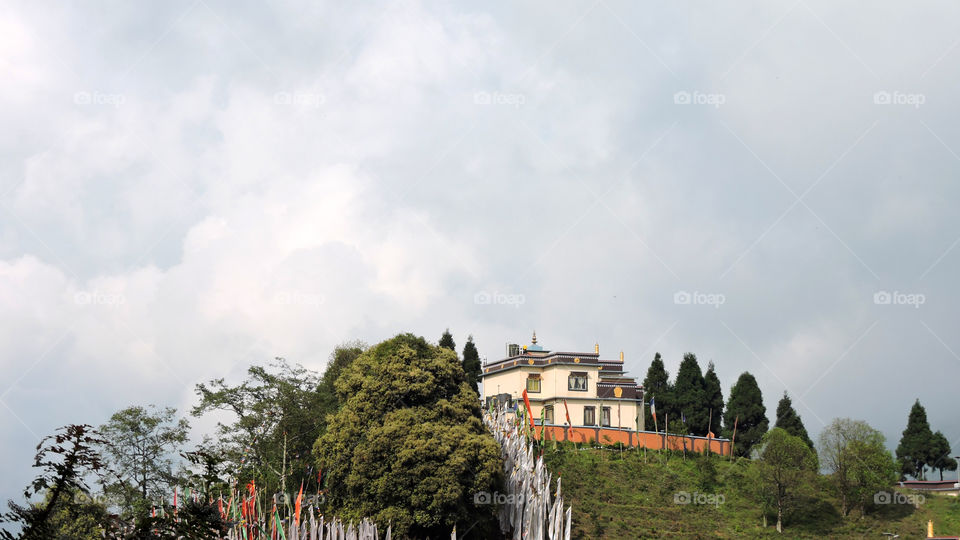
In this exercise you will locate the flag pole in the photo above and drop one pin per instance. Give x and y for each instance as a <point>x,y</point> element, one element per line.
<point>709,429</point>
<point>733,441</point>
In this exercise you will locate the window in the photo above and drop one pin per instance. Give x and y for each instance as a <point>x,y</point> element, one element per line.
<point>548,414</point>
<point>577,382</point>
<point>605,417</point>
<point>589,416</point>
<point>533,384</point>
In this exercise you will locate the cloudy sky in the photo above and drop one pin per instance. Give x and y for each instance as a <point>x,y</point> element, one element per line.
<point>190,187</point>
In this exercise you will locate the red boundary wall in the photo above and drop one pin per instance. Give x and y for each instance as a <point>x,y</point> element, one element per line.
<point>644,439</point>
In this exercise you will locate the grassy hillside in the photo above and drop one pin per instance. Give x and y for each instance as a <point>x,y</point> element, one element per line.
<point>634,497</point>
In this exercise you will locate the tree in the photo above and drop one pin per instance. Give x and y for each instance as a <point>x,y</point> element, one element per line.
<point>274,417</point>
<point>745,408</point>
<point>409,446</point>
<point>941,452</point>
<point>914,451</point>
<point>853,453</point>
<point>689,394</point>
<point>65,460</point>
<point>140,447</point>
<point>786,463</point>
<point>657,386</point>
<point>471,364</point>
<point>446,341</point>
<point>714,399</point>
<point>789,420</point>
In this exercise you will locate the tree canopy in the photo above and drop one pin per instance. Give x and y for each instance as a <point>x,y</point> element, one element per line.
<point>788,419</point>
<point>689,395</point>
<point>915,451</point>
<point>471,363</point>
<point>745,408</point>
<point>714,398</point>
<point>408,445</point>
<point>656,386</point>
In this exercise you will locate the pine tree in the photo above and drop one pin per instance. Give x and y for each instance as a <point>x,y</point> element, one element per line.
<point>714,399</point>
<point>656,385</point>
<point>446,341</point>
<point>914,451</point>
<point>471,363</point>
<point>690,395</point>
<point>746,406</point>
<point>942,459</point>
<point>789,420</point>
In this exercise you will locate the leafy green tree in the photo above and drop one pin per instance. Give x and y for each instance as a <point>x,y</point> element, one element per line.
<point>65,459</point>
<point>914,451</point>
<point>745,409</point>
<point>871,469</point>
<point>471,363</point>
<point>446,341</point>
<point>786,463</point>
<point>714,399</point>
<point>941,451</point>
<point>788,419</point>
<point>408,446</point>
<point>656,385</point>
<point>850,451</point>
<point>140,448</point>
<point>689,393</point>
<point>273,418</point>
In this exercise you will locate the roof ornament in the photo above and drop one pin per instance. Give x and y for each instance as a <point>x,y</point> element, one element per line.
<point>534,340</point>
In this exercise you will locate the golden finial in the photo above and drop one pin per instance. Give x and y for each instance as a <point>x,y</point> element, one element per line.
<point>596,348</point>
<point>621,357</point>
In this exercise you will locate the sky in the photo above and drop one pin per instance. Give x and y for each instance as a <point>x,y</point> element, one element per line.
<point>191,187</point>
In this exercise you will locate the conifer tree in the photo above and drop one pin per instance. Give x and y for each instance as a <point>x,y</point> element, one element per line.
<point>714,399</point>
<point>745,406</point>
<point>471,363</point>
<point>789,420</point>
<point>690,395</point>
<point>914,452</point>
<point>656,386</point>
<point>446,341</point>
<point>942,460</point>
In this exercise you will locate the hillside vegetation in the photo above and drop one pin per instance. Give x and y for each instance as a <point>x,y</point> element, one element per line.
<point>629,494</point>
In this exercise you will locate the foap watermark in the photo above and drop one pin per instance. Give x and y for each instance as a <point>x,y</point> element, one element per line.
<point>98,298</point>
<point>685,497</point>
<point>286,499</point>
<point>99,98</point>
<point>697,298</point>
<point>897,298</point>
<point>513,99</point>
<point>486,298</point>
<point>697,97</point>
<point>485,497</point>
<point>300,99</point>
<point>897,97</point>
<point>298,298</point>
<point>895,497</point>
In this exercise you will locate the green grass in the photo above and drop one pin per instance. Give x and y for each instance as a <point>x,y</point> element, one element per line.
<point>618,495</point>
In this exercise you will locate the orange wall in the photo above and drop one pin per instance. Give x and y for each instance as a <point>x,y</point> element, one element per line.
<point>645,439</point>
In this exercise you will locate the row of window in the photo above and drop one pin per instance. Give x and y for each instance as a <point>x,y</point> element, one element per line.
<point>589,415</point>
<point>576,382</point>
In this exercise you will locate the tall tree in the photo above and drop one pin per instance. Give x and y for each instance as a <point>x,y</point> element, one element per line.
<point>914,451</point>
<point>689,393</point>
<point>788,419</point>
<point>940,450</point>
<point>446,341</point>
<point>142,447</point>
<point>745,408</point>
<point>65,460</point>
<point>858,462</point>
<point>786,463</point>
<point>657,386</point>
<point>409,444</point>
<point>272,419</point>
<point>471,364</point>
<point>714,399</point>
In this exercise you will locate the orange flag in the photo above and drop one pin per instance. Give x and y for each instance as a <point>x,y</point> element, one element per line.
<point>298,505</point>
<point>526,401</point>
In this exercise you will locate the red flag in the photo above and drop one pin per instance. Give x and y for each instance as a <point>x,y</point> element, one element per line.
<point>526,401</point>
<point>569,423</point>
<point>174,501</point>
